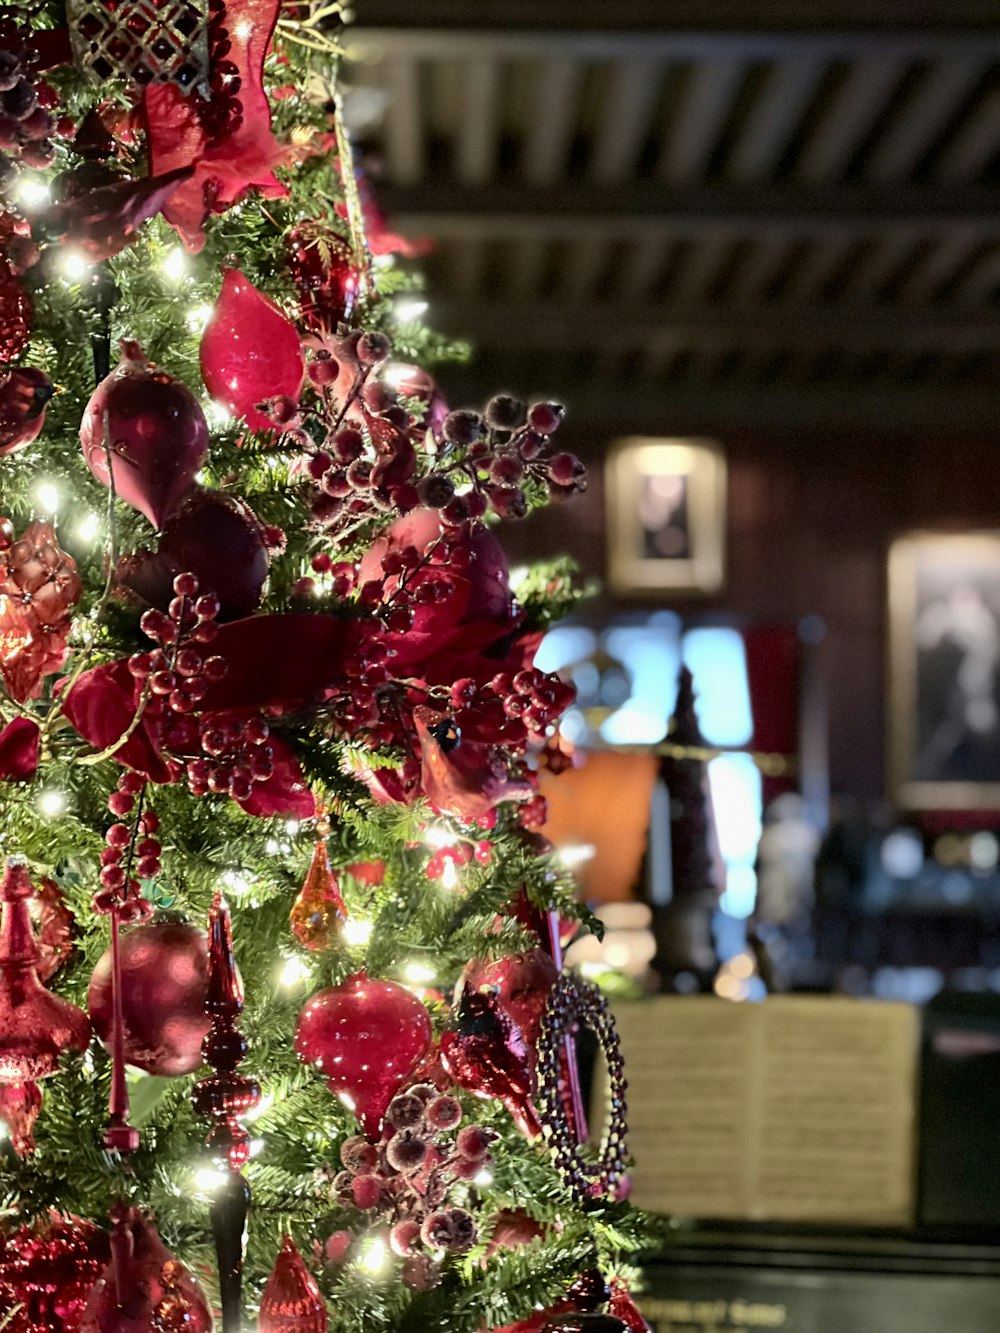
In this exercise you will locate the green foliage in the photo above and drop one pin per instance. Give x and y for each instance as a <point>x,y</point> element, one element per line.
<point>163,298</point>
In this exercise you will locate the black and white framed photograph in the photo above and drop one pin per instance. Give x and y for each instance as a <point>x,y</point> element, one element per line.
<point>944,680</point>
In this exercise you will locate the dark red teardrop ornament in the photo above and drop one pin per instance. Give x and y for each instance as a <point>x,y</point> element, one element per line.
<point>318,911</point>
<point>366,1037</point>
<point>291,1302</point>
<point>36,1027</point>
<point>157,434</point>
<point>249,351</point>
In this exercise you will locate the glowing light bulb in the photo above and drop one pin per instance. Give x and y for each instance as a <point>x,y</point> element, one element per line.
<point>483,1178</point>
<point>51,803</point>
<point>409,309</point>
<point>439,835</point>
<point>174,264</point>
<point>209,1179</point>
<point>73,266</point>
<point>47,496</point>
<point>576,854</point>
<point>419,973</point>
<point>374,1255</point>
<point>357,931</point>
<point>33,193</point>
<point>217,414</point>
<point>292,973</point>
<point>449,875</point>
<point>292,827</point>
<point>88,527</point>
<point>198,318</point>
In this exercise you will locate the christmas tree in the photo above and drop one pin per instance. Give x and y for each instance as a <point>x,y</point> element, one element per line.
<point>285,1038</point>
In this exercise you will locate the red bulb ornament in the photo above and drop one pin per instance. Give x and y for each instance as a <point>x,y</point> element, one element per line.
<point>164,992</point>
<point>366,1037</point>
<point>249,352</point>
<point>157,434</point>
<point>291,1302</point>
<point>47,1272</point>
<point>216,537</point>
<point>144,1289</point>
<point>36,1027</point>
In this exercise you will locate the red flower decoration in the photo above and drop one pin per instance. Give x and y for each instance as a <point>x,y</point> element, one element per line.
<point>222,169</point>
<point>38,588</point>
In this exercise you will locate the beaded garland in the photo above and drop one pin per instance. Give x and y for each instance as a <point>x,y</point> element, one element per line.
<point>572,1003</point>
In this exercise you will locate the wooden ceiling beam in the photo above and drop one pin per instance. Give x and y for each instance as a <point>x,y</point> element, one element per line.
<point>577,208</point>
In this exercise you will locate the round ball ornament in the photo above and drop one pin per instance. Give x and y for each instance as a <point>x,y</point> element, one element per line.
<point>323,270</point>
<point>164,969</point>
<point>366,1037</point>
<point>576,1003</point>
<point>47,1272</point>
<point>157,435</point>
<point>215,536</point>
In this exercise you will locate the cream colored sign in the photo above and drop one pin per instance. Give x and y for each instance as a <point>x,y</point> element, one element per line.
<point>797,1109</point>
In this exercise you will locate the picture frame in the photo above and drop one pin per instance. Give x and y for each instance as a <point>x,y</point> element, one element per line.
<point>944,671</point>
<point>666,517</point>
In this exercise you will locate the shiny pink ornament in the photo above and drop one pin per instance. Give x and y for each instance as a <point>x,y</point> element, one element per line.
<point>164,992</point>
<point>36,1027</point>
<point>144,1289</point>
<point>157,434</point>
<point>216,537</point>
<point>366,1037</point>
<point>291,1302</point>
<point>249,352</point>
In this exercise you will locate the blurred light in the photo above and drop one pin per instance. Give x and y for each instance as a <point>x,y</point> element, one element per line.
<point>449,875</point>
<point>577,854</point>
<point>294,971</point>
<point>717,660</point>
<point>983,851</point>
<point>236,883</point>
<point>357,931</point>
<point>902,854</point>
<point>174,264</point>
<point>409,309</point>
<point>292,827</point>
<point>47,496</point>
<point>33,193</point>
<point>419,973</point>
<point>243,30</point>
<point>51,803</point>
<point>217,414</point>
<point>257,1146</point>
<point>374,1255</point>
<point>88,527</point>
<point>198,318</point>
<point>209,1179</point>
<point>73,266</point>
<point>483,1178</point>
<point>737,799</point>
<point>439,835</point>
<point>272,846</point>
<point>261,1109</point>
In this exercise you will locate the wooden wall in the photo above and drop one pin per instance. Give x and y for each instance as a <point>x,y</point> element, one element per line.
<point>810,524</point>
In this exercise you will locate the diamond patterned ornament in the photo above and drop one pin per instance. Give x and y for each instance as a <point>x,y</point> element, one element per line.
<point>142,42</point>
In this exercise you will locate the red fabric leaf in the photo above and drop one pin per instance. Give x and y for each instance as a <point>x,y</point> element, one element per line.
<point>281,659</point>
<point>19,750</point>
<point>101,706</point>
<point>103,222</point>
<point>285,792</point>
<point>225,170</point>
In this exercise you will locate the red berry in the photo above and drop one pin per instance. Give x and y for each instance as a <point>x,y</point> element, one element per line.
<point>373,348</point>
<point>566,469</point>
<point>403,1238</point>
<point>131,782</point>
<point>186,585</point>
<point>112,877</point>
<point>348,444</point>
<point>104,902</point>
<point>118,835</point>
<point>443,1113</point>
<point>338,1246</point>
<point>215,668</point>
<point>148,867</point>
<point>366,1190</point>
<point>546,417</point>
<point>120,803</point>
<point>207,606</point>
<point>474,1141</point>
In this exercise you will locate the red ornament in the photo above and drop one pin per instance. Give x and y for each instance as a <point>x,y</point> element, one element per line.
<point>157,434</point>
<point>164,992</point>
<point>323,270</point>
<point>249,352</point>
<point>523,983</point>
<point>15,316</point>
<point>366,1037</point>
<point>623,1307</point>
<point>54,922</point>
<point>291,1302</point>
<point>49,1270</point>
<point>39,586</point>
<point>144,1289</point>
<point>216,537</point>
<point>36,1027</point>
<point>486,1053</point>
<point>319,910</point>
<point>23,396</point>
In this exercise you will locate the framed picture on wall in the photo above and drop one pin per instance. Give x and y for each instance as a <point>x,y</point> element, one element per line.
<point>666,512</point>
<point>944,671</point>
